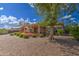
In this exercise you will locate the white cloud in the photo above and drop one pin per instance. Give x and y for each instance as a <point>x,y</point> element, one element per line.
<point>12,18</point>
<point>11,21</point>
<point>72,19</point>
<point>34,19</point>
<point>21,21</point>
<point>75,21</point>
<point>67,16</point>
<point>34,22</point>
<point>3,19</point>
<point>1,8</point>
<point>31,4</point>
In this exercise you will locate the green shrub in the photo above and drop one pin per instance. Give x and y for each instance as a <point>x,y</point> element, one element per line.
<point>23,35</point>
<point>15,33</point>
<point>75,32</point>
<point>12,34</point>
<point>68,29</point>
<point>26,36</point>
<point>60,31</point>
<point>20,35</point>
<point>41,35</point>
<point>34,35</point>
<point>3,31</point>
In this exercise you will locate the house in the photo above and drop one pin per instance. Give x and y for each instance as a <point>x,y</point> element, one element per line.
<point>33,28</point>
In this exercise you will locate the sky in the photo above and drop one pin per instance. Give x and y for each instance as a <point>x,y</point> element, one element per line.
<point>71,18</point>
<point>13,13</point>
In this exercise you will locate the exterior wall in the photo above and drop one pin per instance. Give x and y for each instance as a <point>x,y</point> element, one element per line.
<point>33,29</point>
<point>39,29</point>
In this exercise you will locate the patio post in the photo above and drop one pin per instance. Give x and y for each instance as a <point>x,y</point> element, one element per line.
<point>38,29</point>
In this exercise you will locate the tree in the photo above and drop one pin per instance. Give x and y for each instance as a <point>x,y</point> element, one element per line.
<point>51,12</point>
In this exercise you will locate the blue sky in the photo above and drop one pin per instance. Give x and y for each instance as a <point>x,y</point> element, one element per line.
<point>73,17</point>
<point>14,13</point>
<point>20,11</point>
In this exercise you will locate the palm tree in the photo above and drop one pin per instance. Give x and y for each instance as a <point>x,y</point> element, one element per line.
<point>51,12</point>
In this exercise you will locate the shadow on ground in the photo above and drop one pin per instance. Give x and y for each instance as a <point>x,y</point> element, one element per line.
<point>71,47</point>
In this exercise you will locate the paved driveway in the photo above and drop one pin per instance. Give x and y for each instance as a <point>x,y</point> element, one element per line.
<point>15,46</point>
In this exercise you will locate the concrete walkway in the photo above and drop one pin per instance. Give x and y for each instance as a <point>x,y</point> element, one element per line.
<point>15,46</point>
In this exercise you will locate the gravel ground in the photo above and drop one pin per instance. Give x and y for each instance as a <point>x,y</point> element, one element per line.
<point>15,46</point>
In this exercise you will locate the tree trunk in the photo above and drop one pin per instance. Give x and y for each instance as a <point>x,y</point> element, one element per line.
<point>51,34</point>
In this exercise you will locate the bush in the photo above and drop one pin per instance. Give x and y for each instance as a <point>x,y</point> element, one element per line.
<point>75,32</point>
<point>3,31</point>
<point>12,34</point>
<point>20,35</point>
<point>26,36</point>
<point>60,31</point>
<point>41,35</point>
<point>34,35</point>
<point>15,33</point>
<point>68,29</point>
<point>23,35</point>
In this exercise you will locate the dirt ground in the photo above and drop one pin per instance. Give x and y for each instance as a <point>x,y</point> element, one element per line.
<point>15,46</point>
